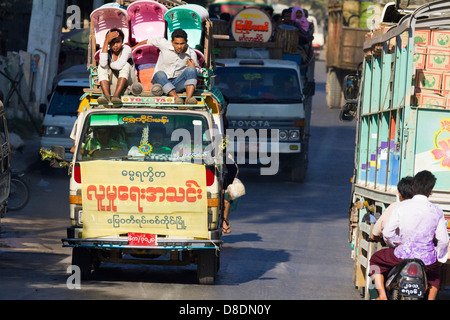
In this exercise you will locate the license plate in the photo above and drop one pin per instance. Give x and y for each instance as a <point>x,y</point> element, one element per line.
<point>141,239</point>
<point>411,289</point>
<point>144,100</point>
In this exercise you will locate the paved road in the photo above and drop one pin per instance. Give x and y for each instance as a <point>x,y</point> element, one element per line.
<point>288,240</point>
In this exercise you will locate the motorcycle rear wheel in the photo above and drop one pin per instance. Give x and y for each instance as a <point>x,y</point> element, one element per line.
<point>19,194</point>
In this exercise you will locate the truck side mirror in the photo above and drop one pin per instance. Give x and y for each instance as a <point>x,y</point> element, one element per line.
<point>348,112</point>
<point>351,90</point>
<point>58,161</point>
<point>309,89</point>
<point>59,151</point>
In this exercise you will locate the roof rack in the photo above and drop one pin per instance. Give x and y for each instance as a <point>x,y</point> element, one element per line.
<point>208,100</point>
<point>207,95</point>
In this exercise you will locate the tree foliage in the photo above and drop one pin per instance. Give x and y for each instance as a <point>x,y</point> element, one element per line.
<point>10,8</point>
<point>5,10</point>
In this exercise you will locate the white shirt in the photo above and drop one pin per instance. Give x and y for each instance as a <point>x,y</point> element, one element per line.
<point>124,56</point>
<point>172,63</point>
<point>412,227</point>
<point>381,222</point>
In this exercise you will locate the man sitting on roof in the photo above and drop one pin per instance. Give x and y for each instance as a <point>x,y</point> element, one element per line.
<point>116,67</point>
<point>176,68</point>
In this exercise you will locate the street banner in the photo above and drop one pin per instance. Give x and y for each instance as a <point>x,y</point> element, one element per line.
<point>161,198</point>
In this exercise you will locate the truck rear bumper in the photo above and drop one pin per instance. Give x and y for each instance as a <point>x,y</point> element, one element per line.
<point>166,244</point>
<point>74,239</point>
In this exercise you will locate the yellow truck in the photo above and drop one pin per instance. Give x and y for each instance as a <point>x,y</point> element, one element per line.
<point>146,178</point>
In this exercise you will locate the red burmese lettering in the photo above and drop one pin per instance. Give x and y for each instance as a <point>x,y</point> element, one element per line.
<point>191,193</point>
<point>247,26</point>
<point>172,195</point>
<point>151,194</point>
<point>123,193</point>
<point>89,190</point>
<point>99,196</point>
<point>135,195</point>
<point>163,192</point>
<point>111,194</point>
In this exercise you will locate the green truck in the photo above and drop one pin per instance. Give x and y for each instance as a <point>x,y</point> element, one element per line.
<point>401,105</point>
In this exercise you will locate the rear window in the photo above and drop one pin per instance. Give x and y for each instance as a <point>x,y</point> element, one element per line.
<point>144,137</point>
<point>258,85</point>
<point>65,101</point>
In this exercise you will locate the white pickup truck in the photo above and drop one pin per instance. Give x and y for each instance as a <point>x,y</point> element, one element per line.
<point>266,94</point>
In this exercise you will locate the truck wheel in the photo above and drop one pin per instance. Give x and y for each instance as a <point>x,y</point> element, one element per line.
<point>207,266</point>
<point>300,166</point>
<point>334,90</point>
<point>298,174</point>
<point>82,257</point>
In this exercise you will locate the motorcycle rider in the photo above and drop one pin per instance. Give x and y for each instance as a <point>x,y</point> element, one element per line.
<point>410,232</point>
<point>404,193</point>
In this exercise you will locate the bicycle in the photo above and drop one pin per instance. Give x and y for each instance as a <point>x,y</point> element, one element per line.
<point>19,193</point>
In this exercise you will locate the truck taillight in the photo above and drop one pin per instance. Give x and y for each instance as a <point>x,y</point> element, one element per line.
<point>210,177</point>
<point>77,173</point>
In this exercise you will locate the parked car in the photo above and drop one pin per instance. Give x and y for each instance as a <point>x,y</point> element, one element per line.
<point>62,110</point>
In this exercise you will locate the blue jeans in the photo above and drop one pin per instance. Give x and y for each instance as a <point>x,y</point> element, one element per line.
<point>188,77</point>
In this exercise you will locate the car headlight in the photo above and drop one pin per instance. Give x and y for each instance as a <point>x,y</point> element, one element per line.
<point>53,131</point>
<point>294,135</point>
<point>284,135</point>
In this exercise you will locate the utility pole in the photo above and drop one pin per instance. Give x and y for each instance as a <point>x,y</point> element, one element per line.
<point>44,44</point>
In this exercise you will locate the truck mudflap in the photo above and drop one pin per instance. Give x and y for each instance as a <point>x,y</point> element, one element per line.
<point>162,244</point>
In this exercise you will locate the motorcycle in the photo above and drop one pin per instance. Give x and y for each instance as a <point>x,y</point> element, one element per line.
<point>407,281</point>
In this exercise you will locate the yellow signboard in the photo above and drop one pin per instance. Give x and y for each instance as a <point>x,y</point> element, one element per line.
<point>154,198</point>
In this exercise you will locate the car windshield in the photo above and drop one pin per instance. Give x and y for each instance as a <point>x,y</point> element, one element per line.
<point>65,101</point>
<point>258,85</point>
<point>144,137</point>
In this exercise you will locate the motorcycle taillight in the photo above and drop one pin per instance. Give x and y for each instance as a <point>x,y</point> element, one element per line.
<point>412,270</point>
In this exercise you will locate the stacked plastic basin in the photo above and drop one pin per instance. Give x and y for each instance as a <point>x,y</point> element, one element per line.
<point>190,18</point>
<point>146,20</point>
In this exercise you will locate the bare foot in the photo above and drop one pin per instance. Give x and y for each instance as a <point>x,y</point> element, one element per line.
<point>226,227</point>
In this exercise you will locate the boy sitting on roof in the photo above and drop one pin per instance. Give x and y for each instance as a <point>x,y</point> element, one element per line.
<point>116,67</point>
